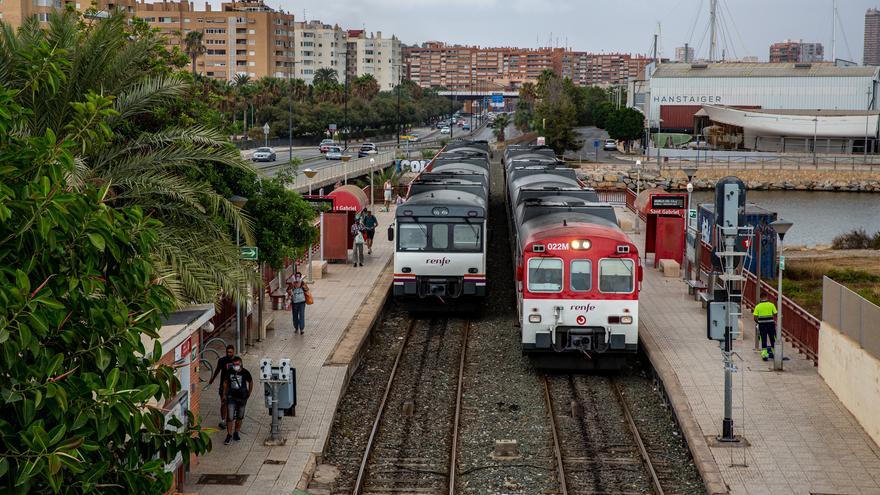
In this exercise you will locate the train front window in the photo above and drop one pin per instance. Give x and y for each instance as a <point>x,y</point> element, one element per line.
<point>466,237</point>
<point>412,237</point>
<point>581,275</point>
<point>545,275</point>
<point>616,276</point>
<point>440,236</point>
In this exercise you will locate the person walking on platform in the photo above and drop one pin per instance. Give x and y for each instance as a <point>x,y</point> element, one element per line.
<point>370,222</point>
<point>765,314</point>
<point>237,388</point>
<point>298,291</point>
<point>388,188</point>
<point>224,364</point>
<point>357,249</point>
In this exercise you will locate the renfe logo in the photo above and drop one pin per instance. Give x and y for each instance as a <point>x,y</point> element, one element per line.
<point>438,261</point>
<point>586,308</point>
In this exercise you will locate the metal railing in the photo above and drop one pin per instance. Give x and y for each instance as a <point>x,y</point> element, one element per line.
<point>805,162</point>
<point>340,170</point>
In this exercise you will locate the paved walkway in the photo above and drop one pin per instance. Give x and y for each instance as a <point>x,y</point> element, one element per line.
<point>802,438</point>
<point>276,470</point>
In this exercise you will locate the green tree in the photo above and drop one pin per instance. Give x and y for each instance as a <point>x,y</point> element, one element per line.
<point>195,46</point>
<point>98,86</point>
<point>601,114</point>
<point>626,124</point>
<point>365,86</point>
<point>325,75</point>
<point>555,113</point>
<point>500,124</point>
<point>79,292</point>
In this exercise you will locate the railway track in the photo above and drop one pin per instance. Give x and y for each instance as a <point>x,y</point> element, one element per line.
<point>406,451</point>
<point>597,443</point>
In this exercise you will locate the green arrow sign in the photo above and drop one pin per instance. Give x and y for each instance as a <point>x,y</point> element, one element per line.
<point>249,253</point>
<point>692,213</point>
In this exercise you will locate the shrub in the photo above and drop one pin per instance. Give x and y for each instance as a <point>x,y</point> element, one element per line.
<point>854,239</point>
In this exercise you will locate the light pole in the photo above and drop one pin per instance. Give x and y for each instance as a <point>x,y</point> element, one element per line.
<point>310,173</point>
<point>638,190</point>
<point>815,137</point>
<point>781,227</point>
<point>690,171</point>
<point>372,193</point>
<point>239,202</point>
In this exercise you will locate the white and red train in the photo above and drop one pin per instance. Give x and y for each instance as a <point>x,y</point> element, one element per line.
<point>577,273</point>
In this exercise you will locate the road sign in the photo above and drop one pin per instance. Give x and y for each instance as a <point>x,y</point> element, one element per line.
<point>497,100</point>
<point>692,213</point>
<point>332,127</point>
<point>249,253</point>
<point>595,143</point>
<point>266,128</point>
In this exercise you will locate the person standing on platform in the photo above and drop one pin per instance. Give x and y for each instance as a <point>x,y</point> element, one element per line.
<point>765,314</point>
<point>237,388</point>
<point>357,249</point>
<point>224,364</point>
<point>388,188</point>
<point>298,289</point>
<point>370,222</point>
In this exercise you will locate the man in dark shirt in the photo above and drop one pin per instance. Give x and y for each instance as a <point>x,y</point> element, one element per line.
<point>370,223</point>
<point>237,388</point>
<point>224,364</point>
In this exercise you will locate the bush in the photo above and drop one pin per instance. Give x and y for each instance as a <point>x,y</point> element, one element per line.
<point>855,239</point>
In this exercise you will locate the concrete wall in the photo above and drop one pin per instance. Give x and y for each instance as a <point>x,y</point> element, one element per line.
<point>854,376</point>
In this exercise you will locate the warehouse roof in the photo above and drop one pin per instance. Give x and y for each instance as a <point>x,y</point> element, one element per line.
<point>736,69</point>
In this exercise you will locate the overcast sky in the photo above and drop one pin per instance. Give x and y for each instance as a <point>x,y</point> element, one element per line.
<point>748,26</point>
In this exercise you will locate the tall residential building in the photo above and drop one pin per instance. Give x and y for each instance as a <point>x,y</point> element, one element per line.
<point>872,37</point>
<point>378,56</point>
<point>684,54</point>
<point>316,46</point>
<point>245,37</point>
<point>790,51</point>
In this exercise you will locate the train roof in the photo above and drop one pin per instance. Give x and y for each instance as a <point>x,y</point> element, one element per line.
<point>476,145</point>
<point>556,194</point>
<point>522,177</point>
<point>536,207</point>
<point>585,220</point>
<point>462,166</point>
<point>455,203</point>
<point>472,183</point>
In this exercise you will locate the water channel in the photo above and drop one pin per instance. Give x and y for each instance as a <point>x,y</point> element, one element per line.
<point>818,216</point>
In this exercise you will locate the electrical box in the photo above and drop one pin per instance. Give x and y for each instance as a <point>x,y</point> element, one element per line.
<point>283,377</point>
<point>717,319</point>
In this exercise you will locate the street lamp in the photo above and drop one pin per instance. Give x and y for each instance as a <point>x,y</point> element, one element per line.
<point>238,202</point>
<point>372,192</point>
<point>310,173</point>
<point>690,171</point>
<point>781,227</point>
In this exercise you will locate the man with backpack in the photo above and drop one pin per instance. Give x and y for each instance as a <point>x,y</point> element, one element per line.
<point>237,388</point>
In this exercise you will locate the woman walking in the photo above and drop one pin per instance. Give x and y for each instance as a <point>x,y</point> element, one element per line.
<point>388,188</point>
<point>298,291</point>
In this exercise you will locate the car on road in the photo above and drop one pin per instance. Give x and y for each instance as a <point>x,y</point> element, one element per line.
<point>367,149</point>
<point>610,145</point>
<point>465,127</point>
<point>442,124</point>
<point>445,130</point>
<point>263,155</point>
<point>334,153</point>
<point>325,145</point>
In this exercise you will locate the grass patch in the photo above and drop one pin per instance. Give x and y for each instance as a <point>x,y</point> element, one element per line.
<point>802,280</point>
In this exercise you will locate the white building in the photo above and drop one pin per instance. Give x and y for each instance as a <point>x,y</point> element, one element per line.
<point>381,57</point>
<point>318,45</point>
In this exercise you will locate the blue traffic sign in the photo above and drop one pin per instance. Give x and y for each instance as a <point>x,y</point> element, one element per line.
<point>596,143</point>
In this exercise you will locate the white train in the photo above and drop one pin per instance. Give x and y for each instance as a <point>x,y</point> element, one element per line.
<point>441,231</point>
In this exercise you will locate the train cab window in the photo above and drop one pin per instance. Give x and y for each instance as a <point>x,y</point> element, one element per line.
<point>466,237</point>
<point>440,236</point>
<point>545,275</point>
<point>412,237</point>
<point>581,275</point>
<point>616,275</point>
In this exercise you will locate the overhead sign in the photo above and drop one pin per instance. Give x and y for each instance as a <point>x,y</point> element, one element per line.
<point>249,253</point>
<point>667,202</point>
<point>497,100</point>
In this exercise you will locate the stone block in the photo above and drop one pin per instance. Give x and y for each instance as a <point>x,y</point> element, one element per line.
<point>319,268</point>
<point>625,224</point>
<point>670,268</point>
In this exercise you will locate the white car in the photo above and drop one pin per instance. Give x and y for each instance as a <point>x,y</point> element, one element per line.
<point>445,130</point>
<point>610,145</point>
<point>263,155</point>
<point>334,153</point>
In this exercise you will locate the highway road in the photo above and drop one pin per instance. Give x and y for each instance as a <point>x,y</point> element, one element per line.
<point>588,152</point>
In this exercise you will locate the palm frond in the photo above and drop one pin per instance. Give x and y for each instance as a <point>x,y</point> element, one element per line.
<point>146,95</point>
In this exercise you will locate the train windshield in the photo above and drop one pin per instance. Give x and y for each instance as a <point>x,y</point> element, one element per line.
<point>545,275</point>
<point>440,236</point>
<point>581,275</point>
<point>616,276</point>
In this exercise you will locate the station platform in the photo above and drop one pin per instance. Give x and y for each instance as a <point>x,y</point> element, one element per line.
<point>799,438</point>
<point>346,302</point>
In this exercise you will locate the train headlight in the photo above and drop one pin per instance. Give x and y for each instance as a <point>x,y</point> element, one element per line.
<point>534,318</point>
<point>581,244</point>
<point>626,320</point>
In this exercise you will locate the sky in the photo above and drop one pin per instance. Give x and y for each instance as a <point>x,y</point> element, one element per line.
<point>748,26</point>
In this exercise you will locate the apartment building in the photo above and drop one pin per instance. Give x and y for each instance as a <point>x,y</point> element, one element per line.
<point>381,57</point>
<point>435,64</point>
<point>790,51</point>
<point>14,12</point>
<point>318,45</point>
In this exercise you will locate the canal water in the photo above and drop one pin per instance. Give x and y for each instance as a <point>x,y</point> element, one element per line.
<point>818,216</point>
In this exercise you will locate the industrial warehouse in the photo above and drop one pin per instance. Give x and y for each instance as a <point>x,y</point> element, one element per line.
<point>782,107</point>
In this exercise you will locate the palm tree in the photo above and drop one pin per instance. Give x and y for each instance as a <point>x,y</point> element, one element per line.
<point>324,75</point>
<point>365,86</point>
<point>500,124</point>
<point>194,46</point>
<point>242,80</point>
<point>91,88</point>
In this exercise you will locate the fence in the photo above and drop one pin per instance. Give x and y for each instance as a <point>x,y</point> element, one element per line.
<point>740,162</point>
<point>852,314</point>
<point>340,170</point>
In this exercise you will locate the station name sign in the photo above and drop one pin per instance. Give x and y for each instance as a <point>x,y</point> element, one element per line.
<point>686,99</point>
<point>667,202</point>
